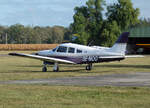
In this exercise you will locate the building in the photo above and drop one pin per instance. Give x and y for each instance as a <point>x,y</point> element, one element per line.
<point>139,40</point>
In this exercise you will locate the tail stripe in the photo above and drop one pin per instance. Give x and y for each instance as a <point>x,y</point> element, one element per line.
<point>123,38</point>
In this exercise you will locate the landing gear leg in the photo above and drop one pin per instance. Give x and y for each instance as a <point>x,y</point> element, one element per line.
<point>44,69</point>
<point>89,67</point>
<point>56,67</point>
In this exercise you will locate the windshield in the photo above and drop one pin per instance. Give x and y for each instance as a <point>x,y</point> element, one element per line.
<point>54,50</point>
<point>62,49</point>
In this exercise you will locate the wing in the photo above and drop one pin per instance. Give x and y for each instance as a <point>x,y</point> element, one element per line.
<point>43,58</point>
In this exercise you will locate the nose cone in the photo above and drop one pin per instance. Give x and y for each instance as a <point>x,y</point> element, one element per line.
<point>44,52</point>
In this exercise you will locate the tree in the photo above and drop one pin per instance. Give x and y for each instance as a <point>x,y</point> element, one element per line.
<point>110,33</point>
<point>15,33</point>
<point>123,13</point>
<point>90,25</point>
<point>67,34</point>
<point>2,34</point>
<point>57,34</point>
<point>88,20</point>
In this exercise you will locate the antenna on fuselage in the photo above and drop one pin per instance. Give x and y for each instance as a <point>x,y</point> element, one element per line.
<point>90,44</point>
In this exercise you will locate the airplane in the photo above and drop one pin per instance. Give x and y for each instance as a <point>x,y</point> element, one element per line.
<point>69,53</point>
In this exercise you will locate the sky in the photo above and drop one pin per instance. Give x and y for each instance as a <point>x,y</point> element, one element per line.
<point>50,12</point>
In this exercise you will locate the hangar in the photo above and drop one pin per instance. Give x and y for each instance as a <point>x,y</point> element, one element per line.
<point>139,40</point>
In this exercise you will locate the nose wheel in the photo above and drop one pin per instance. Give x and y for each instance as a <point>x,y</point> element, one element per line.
<point>89,67</point>
<point>56,67</point>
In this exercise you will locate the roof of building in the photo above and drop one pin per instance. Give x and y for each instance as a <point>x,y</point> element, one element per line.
<point>140,32</point>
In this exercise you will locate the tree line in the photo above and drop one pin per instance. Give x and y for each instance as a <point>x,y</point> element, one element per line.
<point>20,34</point>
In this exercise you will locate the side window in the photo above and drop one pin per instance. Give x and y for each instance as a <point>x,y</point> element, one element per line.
<point>71,50</point>
<point>85,51</point>
<point>79,51</point>
<point>62,49</point>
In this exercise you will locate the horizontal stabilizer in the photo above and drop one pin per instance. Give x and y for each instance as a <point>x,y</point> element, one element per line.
<point>134,56</point>
<point>111,57</point>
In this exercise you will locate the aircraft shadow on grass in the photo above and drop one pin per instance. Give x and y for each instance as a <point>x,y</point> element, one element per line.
<point>29,71</point>
<point>66,66</point>
<point>96,66</point>
<point>80,70</point>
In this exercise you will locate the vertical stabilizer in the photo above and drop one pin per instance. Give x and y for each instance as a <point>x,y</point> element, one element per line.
<point>121,44</point>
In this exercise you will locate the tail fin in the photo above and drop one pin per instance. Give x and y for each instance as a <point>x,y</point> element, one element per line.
<point>121,44</point>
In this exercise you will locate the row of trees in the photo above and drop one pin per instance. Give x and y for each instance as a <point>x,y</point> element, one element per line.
<point>143,22</point>
<point>91,25</point>
<point>19,34</point>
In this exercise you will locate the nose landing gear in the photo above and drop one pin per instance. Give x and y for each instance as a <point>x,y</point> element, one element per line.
<point>56,67</point>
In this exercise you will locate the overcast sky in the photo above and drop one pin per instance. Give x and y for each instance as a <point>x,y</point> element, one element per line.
<point>49,12</point>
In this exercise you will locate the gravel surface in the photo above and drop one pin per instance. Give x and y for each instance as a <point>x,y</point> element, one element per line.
<point>4,55</point>
<point>130,80</point>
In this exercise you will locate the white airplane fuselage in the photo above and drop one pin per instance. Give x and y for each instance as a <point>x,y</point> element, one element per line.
<point>87,55</point>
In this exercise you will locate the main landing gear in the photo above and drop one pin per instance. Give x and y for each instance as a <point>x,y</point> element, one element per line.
<point>44,69</point>
<point>55,68</point>
<point>89,67</point>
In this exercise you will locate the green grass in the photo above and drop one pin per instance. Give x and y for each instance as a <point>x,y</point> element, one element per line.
<point>16,68</point>
<point>44,96</point>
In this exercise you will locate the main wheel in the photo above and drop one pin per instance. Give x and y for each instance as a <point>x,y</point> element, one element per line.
<point>44,69</point>
<point>89,67</point>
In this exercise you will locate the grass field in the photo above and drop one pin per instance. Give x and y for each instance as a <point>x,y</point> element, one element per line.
<point>16,68</point>
<point>44,96</point>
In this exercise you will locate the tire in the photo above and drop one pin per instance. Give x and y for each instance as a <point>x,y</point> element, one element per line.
<point>89,67</point>
<point>44,69</point>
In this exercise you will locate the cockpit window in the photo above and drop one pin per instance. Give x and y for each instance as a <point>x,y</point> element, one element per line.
<point>79,51</point>
<point>62,49</point>
<point>54,50</point>
<point>71,50</point>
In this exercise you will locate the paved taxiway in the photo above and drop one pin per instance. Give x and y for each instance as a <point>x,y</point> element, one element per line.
<point>4,55</point>
<point>131,80</point>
